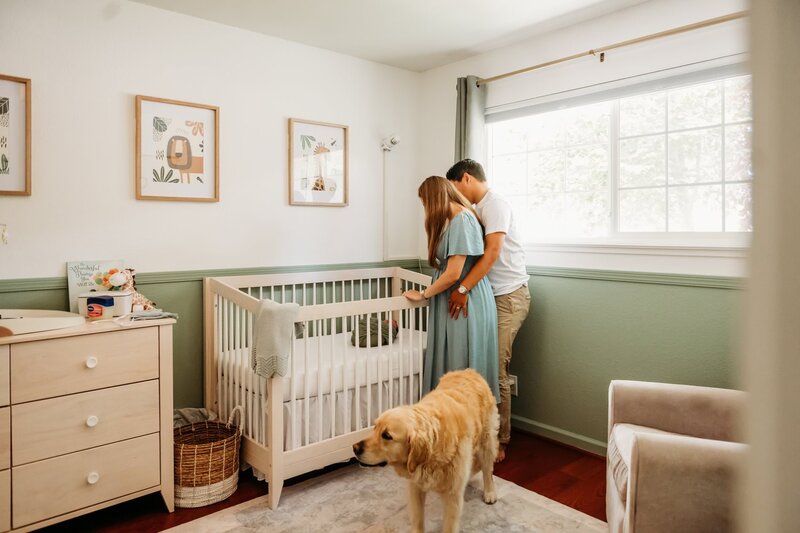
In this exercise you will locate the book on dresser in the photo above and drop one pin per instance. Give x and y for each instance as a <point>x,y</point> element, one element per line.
<point>85,420</point>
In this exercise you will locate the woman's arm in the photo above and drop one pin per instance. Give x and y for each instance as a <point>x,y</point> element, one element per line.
<point>455,264</point>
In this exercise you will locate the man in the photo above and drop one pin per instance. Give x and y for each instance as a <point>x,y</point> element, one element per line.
<point>504,263</point>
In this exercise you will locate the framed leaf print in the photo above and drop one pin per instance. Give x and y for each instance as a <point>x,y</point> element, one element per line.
<point>177,150</point>
<point>318,163</point>
<point>15,136</point>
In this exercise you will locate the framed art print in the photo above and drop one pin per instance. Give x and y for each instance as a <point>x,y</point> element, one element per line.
<point>318,168</point>
<point>15,136</point>
<point>177,150</point>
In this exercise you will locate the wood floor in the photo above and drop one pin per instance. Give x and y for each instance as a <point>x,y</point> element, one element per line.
<point>559,472</point>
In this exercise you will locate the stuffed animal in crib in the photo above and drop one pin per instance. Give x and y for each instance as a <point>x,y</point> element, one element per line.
<point>123,280</point>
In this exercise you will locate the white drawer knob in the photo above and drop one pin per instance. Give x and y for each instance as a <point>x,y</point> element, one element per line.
<point>91,362</point>
<point>93,478</point>
<point>92,421</point>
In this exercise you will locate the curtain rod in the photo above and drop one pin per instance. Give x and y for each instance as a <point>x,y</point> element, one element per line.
<point>602,50</point>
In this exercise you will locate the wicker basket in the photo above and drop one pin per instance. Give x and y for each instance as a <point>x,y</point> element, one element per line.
<point>206,461</point>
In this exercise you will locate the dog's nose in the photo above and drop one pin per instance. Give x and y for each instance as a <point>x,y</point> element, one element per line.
<point>358,447</point>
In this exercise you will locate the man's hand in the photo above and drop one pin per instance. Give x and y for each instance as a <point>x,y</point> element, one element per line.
<point>458,303</point>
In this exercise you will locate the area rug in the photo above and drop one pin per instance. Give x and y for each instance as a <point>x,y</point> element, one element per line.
<point>355,499</point>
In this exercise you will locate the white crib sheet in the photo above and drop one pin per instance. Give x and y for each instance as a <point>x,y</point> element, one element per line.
<point>334,356</point>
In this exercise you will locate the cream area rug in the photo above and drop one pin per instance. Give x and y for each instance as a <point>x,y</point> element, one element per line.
<point>355,499</point>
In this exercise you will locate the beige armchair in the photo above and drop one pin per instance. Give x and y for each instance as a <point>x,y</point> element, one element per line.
<point>672,457</point>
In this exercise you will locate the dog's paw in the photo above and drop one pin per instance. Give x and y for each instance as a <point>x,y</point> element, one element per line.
<point>490,497</point>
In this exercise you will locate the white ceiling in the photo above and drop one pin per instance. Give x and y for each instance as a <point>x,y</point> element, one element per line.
<point>412,34</point>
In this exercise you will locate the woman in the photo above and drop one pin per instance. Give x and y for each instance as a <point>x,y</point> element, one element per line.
<point>455,243</point>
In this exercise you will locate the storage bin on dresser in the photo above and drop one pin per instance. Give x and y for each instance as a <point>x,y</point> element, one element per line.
<point>85,421</point>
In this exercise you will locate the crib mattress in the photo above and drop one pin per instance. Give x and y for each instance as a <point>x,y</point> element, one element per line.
<point>335,361</point>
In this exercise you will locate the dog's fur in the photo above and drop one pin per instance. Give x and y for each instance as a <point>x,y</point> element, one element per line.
<point>439,444</point>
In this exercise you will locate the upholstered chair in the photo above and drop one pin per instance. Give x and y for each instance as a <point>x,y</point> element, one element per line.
<point>673,453</point>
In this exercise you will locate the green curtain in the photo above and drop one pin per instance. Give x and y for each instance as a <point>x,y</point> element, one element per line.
<point>470,112</point>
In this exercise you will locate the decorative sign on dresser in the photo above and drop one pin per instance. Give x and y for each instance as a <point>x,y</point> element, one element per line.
<point>85,420</point>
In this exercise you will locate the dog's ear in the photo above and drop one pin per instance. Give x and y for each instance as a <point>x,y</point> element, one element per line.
<point>418,449</point>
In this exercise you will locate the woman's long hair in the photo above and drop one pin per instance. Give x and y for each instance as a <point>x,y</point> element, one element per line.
<point>436,194</point>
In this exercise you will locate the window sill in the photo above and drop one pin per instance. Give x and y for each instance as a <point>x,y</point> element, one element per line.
<point>693,259</point>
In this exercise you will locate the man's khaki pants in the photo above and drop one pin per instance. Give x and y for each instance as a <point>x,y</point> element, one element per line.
<point>512,309</point>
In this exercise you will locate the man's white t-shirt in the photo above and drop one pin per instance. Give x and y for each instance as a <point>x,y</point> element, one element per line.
<point>508,273</point>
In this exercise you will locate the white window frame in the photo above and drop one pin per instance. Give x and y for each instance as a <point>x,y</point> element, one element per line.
<point>707,253</point>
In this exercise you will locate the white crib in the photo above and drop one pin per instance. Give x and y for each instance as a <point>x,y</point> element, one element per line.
<point>310,418</point>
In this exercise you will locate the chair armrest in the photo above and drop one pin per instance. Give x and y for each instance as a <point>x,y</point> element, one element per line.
<point>704,412</point>
<point>680,483</point>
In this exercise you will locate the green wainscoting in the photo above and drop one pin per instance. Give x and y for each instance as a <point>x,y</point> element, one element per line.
<point>586,327</point>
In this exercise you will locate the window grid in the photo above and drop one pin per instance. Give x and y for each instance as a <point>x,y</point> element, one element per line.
<point>614,159</point>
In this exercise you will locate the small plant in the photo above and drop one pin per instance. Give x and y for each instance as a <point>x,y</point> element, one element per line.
<point>3,164</point>
<point>162,178</point>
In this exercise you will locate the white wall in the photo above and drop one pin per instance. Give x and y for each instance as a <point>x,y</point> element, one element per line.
<point>88,59</point>
<point>437,105</point>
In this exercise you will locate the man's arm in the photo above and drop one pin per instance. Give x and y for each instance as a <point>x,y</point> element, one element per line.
<point>492,247</point>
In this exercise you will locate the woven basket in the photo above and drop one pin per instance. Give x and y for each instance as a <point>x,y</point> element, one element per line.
<point>206,461</point>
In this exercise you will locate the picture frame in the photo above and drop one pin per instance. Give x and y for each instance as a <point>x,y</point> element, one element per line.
<point>177,150</point>
<point>15,136</point>
<point>318,163</point>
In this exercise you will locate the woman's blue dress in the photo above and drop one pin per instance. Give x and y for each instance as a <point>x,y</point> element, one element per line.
<point>462,343</point>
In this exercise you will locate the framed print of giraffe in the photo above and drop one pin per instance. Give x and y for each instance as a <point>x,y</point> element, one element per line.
<point>15,136</point>
<point>318,163</point>
<point>177,150</point>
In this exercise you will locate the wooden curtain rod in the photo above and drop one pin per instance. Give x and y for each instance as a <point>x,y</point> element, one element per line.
<point>602,50</point>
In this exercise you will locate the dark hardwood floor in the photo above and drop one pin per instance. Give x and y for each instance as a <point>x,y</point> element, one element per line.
<point>573,477</point>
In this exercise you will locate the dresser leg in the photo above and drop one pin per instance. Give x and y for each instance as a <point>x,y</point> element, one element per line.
<point>168,495</point>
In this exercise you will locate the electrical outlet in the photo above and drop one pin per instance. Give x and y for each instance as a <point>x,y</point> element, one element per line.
<point>514,388</point>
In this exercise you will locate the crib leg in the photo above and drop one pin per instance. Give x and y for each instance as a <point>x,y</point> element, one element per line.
<point>275,439</point>
<point>275,489</point>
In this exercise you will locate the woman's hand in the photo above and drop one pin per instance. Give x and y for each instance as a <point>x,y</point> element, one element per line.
<point>414,296</point>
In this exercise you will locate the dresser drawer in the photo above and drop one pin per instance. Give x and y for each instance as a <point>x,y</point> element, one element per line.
<point>5,438</point>
<point>5,500</point>
<point>4,370</point>
<point>44,369</point>
<point>55,486</point>
<point>47,428</point>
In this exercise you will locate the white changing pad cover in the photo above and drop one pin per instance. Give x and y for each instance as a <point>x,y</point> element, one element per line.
<point>334,356</point>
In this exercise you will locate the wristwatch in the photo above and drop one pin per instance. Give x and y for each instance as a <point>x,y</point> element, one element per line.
<point>462,289</point>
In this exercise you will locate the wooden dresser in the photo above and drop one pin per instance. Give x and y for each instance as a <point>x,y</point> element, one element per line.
<point>85,420</point>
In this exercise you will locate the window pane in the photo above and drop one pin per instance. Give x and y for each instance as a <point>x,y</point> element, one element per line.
<point>698,105</point>
<point>695,208</point>
<point>545,131</point>
<point>739,207</point>
<point>508,174</point>
<point>543,216</point>
<point>510,137</point>
<point>643,210</point>
<point>586,214</point>
<point>641,161</point>
<point>587,169</point>
<point>646,113</point>
<point>587,124</point>
<point>546,171</point>
<point>695,156</point>
<point>738,103</point>
<point>738,152</point>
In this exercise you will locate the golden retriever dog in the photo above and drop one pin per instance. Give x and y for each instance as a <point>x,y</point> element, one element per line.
<point>438,444</point>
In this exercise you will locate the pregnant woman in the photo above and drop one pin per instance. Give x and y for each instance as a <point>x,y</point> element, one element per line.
<point>455,243</point>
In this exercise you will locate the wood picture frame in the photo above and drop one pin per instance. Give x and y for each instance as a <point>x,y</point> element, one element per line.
<point>15,136</point>
<point>318,163</point>
<point>169,136</point>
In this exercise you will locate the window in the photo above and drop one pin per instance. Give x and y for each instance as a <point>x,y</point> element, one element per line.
<point>655,167</point>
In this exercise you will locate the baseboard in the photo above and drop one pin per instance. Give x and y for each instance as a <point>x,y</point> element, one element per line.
<point>561,435</point>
